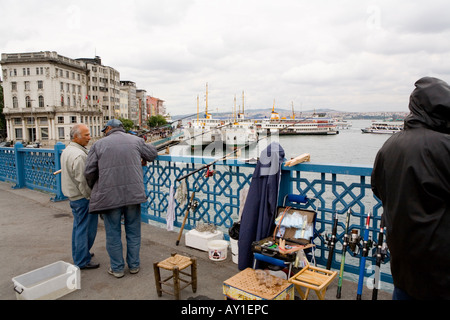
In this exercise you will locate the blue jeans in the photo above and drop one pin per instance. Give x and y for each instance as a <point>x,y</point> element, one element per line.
<point>83,233</point>
<point>113,229</point>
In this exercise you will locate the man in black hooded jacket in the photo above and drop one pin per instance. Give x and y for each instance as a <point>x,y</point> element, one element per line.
<point>411,177</point>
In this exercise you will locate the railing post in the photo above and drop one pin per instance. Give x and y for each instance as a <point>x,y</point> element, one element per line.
<point>59,147</point>
<point>20,170</point>
<point>285,186</point>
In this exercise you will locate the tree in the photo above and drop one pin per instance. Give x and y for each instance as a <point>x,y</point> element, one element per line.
<point>127,124</point>
<point>156,121</point>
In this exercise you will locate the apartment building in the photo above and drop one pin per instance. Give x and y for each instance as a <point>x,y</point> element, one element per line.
<point>45,94</point>
<point>130,88</point>
<point>103,87</point>
<point>141,96</point>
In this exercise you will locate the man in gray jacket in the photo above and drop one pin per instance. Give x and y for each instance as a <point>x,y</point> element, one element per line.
<point>114,172</point>
<point>74,186</point>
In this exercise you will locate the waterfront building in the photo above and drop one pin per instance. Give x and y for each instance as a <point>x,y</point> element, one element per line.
<point>103,87</point>
<point>155,106</point>
<point>130,88</point>
<point>45,94</point>
<point>123,109</point>
<point>141,96</point>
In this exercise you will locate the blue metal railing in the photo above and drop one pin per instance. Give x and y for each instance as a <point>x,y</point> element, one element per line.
<point>331,188</point>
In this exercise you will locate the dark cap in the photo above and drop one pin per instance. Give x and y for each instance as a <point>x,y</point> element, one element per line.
<point>114,123</point>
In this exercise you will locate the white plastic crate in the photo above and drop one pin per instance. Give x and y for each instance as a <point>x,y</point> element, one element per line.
<point>199,240</point>
<point>47,283</point>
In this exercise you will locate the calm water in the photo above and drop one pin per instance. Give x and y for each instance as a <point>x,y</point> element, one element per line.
<point>350,146</point>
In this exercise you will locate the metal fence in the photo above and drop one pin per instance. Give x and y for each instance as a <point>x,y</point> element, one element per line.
<point>330,189</point>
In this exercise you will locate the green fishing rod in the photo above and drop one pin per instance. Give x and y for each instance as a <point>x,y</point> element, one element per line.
<point>344,250</point>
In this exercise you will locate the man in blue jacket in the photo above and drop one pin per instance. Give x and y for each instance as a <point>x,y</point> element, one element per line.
<point>114,172</point>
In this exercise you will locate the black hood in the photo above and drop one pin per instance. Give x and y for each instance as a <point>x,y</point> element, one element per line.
<point>430,105</point>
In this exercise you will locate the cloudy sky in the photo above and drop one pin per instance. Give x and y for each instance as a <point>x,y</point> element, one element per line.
<point>352,55</point>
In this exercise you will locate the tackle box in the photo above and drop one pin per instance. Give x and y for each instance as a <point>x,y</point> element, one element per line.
<point>294,226</point>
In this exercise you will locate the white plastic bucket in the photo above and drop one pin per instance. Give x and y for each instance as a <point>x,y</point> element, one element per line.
<point>217,250</point>
<point>234,250</point>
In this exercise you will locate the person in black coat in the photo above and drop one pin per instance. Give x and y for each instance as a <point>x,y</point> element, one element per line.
<point>411,177</point>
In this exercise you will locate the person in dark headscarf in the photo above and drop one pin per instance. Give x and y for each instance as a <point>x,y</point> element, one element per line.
<point>411,177</point>
<point>261,204</point>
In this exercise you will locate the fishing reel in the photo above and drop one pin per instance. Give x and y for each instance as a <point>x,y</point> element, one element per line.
<point>355,240</point>
<point>330,239</point>
<point>194,205</point>
<point>383,252</point>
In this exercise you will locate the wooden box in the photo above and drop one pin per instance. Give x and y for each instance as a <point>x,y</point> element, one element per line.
<point>245,286</point>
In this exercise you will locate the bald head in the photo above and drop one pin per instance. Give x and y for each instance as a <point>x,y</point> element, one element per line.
<point>80,134</point>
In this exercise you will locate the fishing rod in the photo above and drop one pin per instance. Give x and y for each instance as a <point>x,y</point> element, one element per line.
<point>344,250</point>
<point>192,205</point>
<point>365,250</point>
<point>331,241</point>
<point>172,143</point>
<point>380,254</point>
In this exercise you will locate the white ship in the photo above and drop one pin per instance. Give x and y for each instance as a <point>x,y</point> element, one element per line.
<point>242,132</point>
<point>317,125</point>
<point>386,127</point>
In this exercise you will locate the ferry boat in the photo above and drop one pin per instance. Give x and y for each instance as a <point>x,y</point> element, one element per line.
<point>317,125</point>
<point>384,127</point>
<point>241,132</point>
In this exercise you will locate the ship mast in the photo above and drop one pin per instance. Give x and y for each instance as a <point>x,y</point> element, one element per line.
<point>206,112</point>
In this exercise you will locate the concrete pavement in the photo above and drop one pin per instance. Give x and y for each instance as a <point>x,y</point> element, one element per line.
<point>35,232</point>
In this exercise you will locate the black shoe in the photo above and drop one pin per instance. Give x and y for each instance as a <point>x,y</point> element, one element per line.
<point>91,266</point>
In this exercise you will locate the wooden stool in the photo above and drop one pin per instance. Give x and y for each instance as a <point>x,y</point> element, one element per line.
<point>314,278</point>
<point>176,263</point>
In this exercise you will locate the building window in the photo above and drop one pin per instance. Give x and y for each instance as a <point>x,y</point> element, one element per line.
<point>41,101</point>
<point>27,102</point>
<point>44,133</point>
<point>13,86</point>
<point>40,84</point>
<point>61,133</point>
<point>60,119</point>
<point>62,101</point>
<point>68,101</point>
<point>43,120</point>
<point>73,119</point>
<point>18,121</point>
<point>15,102</point>
<point>19,133</point>
<point>27,85</point>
